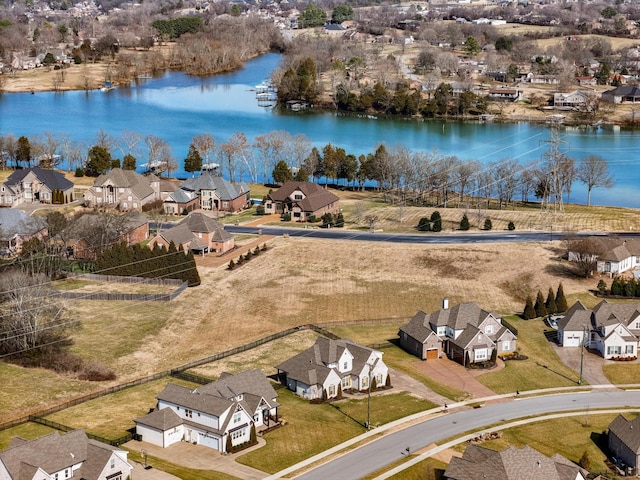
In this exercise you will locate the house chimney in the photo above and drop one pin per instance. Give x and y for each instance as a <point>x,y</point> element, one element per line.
<point>445,303</point>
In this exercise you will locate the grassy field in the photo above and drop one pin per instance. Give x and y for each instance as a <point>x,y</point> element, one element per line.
<point>622,373</point>
<point>28,431</point>
<point>543,368</point>
<point>429,469</point>
<point>307,431</point>
<point>78,285</point>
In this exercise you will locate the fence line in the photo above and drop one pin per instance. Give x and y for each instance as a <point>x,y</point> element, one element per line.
<point>137,297</point>
<point>180,372</point>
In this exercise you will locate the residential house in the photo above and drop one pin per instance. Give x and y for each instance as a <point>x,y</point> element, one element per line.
<point>576,100</point>
<point>62,456</point>
<point>332,366</point>
<point>612,329</point>
<point>624,94</point>
<point>211,414</point>
<point>465,333</point>
<point>207,192</point>
<point>612,255</point>
<point>302,200</point>
<point>90,233</point>
<point>505,94</point>
<point>587,80</point>
<point>123,189</point>
<point>511,464</point>
<point>197,232</point>
<point>16,227</point>
<point>624,441</point>
<point>35,185</point>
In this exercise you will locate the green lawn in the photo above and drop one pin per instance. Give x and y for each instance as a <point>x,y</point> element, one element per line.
<point>429,469</point>
<point>311,429</point>
<point>543,368</point>
<point>112,415</point>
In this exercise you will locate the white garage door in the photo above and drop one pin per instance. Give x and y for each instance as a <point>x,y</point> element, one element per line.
<point>208,441</point>
<point>571,340</point>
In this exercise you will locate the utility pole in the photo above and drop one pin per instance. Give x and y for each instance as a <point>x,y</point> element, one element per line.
<point>585,332</point>
<point>369,399</point>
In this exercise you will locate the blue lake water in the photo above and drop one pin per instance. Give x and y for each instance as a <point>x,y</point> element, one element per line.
<point>176,107</point>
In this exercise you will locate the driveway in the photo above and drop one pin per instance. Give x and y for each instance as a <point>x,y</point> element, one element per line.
<point>197,457</point>
<point>591,364</point>
<point>450,373</point>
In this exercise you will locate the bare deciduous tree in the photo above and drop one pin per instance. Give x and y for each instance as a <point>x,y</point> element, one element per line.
<point>593,171</point>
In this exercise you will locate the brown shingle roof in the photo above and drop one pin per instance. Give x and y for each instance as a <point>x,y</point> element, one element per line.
<point>316,196</point>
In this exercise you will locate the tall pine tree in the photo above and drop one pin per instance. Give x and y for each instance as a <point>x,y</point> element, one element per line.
<point>550,304</point>
<point>561,301</point>
<point>540,308</point>
<point>529,311</point>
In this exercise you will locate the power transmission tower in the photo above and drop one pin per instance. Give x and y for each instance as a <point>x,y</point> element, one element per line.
<point>555,157</point>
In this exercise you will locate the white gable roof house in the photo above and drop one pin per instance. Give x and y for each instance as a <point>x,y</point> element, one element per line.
<point>209,415</point>
<point>613,329</point>
<point>332,366</point>
<point>57,457</point>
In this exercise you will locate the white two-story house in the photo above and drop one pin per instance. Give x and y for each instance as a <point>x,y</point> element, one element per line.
<point>215,415</point>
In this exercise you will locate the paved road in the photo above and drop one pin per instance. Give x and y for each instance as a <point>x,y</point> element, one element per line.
<point>390,448</point>
<point>340,234</point>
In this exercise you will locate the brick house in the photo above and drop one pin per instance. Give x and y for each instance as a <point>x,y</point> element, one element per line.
<point>302,200</point>
<point>123,189</point>
<point>198,233</point>
<point>16,227</point>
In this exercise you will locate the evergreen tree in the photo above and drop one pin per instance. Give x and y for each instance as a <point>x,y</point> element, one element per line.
<point>99,161</point>
<point>602,287</point>
<point>387,382</point>
<point>23,151</point>
<point>129,162</point>
<point>193,277</point>
<point>529,311</point>
<point>232,264</point>
<point>424,225</point>
<point>471,46</point>
<point>511,226</point>
<point>229,447</point>
<point>282,173</point>
<point>550,304</point>
<point>193,160</point>
<point>487,224</point>
<point>464,223</point>
<point>539,307</point>
<point>617,286</point>
<point>339,220</point>
<point>436,222</point>
<point>561,301</point>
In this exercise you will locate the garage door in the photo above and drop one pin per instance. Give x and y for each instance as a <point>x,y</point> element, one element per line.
<point>433,353</point>
<point>208,441</point>
<point>571,341</point>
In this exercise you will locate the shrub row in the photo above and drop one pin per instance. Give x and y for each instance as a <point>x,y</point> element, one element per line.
<point>246,257</point>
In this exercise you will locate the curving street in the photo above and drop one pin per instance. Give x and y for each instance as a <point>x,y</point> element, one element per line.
<point>392,447</point>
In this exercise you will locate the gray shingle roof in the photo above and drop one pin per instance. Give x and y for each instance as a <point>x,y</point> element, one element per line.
<point>139,184</point>
<point>511,464</point>
<point>15,222</point>
<point>52,179</point>
<point>252,382</point>
<point>56,452</point>
<point>310,366</point>
<point>628,431</point>
<point>194,399</point>
<point>224,189</point>
<point>162,419</point>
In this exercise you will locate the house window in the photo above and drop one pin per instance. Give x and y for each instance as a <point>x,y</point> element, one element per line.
<point>637,325</point>
<point>365,382</point>
<point>628,349</point>
<point>225,204</point>
<point>98,189</point>
<point>113,463</point>
<point>345,382</point>
<point>506,345</point>
<point>481,354</point>
<point>345,366</point>
<point>607,266</point>
<point>614,350</point>
<point>297,196</point>
<point>135,205</point>
<point>237,434</point>
<point>67,473</point>
<point>121,190</point>
<point>488,329</point>
<point>332,390</point>
<point>237,417</point>
<point>124,205</point>
<point>188,413</point>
